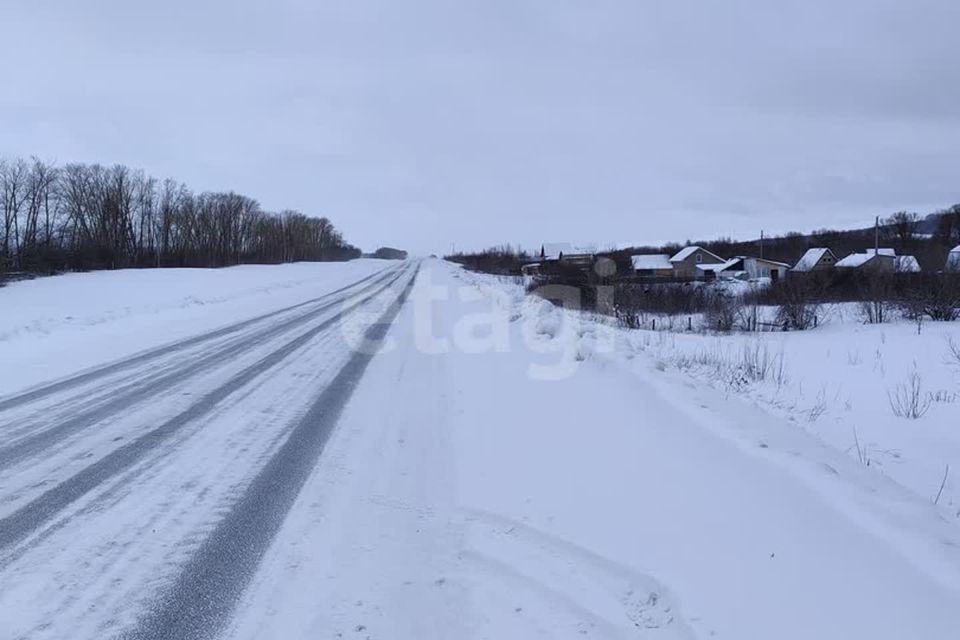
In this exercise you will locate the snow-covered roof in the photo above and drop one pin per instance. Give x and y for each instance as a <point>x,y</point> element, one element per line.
<point>956,249</point>
<point>907,264</point>
<point>859,259</point>
<point>686,252</point>
<point>651,261</point>
<point>716,267</point>
<point>855,260</point>
<point>882,251</point>
<point>811,258</point>
<point>731,262</point>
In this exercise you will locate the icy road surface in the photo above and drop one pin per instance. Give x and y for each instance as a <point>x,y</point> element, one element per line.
<point>485,475</point>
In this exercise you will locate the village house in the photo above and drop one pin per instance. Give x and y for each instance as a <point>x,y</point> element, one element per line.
<point>652,265</point>
<point>816,259</point>
<point>953,260</point>
<point>751,268</point>
<point>686,262</point>
<point>872,260</point>
<point>907,264</point>
<point>559,253</point>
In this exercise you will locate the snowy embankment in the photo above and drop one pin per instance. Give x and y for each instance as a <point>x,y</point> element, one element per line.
<point>557,481</point>
<point>51,327</point>
<point>883,394</point>
<point>887,395</point>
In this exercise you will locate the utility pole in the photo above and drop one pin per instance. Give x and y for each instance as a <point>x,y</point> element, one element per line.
<point>876,236</point>
<point>761,244</point>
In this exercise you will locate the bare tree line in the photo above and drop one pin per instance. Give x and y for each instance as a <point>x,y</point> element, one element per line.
<point>82,216</point>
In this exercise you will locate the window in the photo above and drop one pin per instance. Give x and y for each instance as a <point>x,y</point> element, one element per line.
<point>699,258</point>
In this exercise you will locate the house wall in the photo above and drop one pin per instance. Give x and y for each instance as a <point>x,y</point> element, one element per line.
<point>655,273</point>
<point>762,269</point>
<point>827,261</point>
<point>879,264</point>
<point>688,267</point>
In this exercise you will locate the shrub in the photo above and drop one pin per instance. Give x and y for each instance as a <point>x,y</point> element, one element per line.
<point>722,311</point>
<point>797,305</point>
<point>935,296</point>
<point>908,400</point>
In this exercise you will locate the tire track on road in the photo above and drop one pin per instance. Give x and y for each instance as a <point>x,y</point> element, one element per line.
<point>146,357</point>
<point>200,601</point>
<point>20,524</point>
<point>143,390</point>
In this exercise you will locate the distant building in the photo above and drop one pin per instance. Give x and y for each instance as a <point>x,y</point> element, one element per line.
<point>686,262</point>
<point>389,253</point>
<point>562,253</point>
<point>906,264</point>
<point>817,259</point>
<point>953,260</point>
<point>873,260</point>
<point>652,265</point>
<point>751,268</point>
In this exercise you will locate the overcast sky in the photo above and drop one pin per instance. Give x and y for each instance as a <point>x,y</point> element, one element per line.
<point>423,123</point>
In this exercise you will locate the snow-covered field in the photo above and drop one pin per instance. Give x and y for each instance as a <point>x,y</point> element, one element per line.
<point>848,384</point>
<point>504,469</point>
<point>50,327</point>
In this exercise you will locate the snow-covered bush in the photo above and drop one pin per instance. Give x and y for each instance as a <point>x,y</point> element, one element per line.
<point>908,400</point>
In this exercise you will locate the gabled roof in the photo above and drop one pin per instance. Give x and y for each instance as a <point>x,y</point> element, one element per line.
<point>956,249</point>
<point>812,258</point>
<point>855,260</point>
<point>882,251</point>
<point>859,259</point>
<point>907,264</point>
<point>730,263</point>
<point>651,261</point>
<point>686,252</point>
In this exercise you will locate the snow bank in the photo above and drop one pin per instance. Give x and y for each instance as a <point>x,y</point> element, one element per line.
<point>51,327</point>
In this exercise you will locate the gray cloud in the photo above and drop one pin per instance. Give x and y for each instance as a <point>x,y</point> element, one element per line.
<point>430,122</point>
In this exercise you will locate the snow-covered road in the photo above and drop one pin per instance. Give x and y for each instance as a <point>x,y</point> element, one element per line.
<point>487,477</point>
<point>137,497</point>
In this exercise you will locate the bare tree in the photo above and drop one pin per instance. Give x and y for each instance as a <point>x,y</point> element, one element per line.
<point>91,217</point>
<point>901,228</point>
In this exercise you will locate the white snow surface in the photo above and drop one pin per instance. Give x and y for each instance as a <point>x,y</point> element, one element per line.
<point>51,327</point>
<point>549,486</point>
<point>507,469</point>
